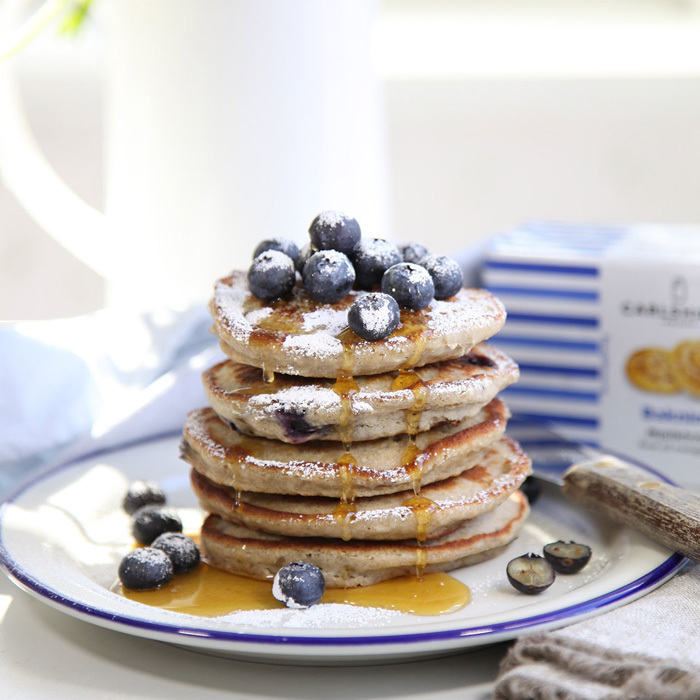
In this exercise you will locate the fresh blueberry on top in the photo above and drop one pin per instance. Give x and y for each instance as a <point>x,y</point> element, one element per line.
<point>446,273</point>
<point>150,521</point>
<point>145,568</point>
<point>299,585</point>
<point>328,276</point>
<point>410,284</point>
<point>372,257</point>
<point>181,550</point>
<point>374,316</point>
<point>142,493</point>
<point>413,252</point>
<point>271,276</point>
<point>283,245</point>
<point>333,230</point>
<point>305,252</point>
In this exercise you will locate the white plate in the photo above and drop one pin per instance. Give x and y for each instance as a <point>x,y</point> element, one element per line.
<point>63,535</point>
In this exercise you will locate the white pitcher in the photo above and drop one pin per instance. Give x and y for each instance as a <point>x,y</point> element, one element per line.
<point>227,121</point>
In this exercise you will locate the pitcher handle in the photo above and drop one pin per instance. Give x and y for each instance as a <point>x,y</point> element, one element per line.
<point>27,174</point>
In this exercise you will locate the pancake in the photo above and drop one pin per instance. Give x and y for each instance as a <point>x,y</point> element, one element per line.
<point>321,468</point>
<point>298,409</point>
<point>439,507</point>
<point>260,555</point>
<point>303,337</point>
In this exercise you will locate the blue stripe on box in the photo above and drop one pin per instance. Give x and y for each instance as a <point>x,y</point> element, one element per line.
<point>538,267</point>
<point>549,343</point>
<point>592,372</point>
<point>546,293</point>
<point>585,321</point>
<point>565,394</point>
<point>581,421</point>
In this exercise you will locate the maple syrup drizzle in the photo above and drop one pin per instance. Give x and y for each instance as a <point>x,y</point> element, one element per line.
<point>422,509</point>
<point>346,462</point>
<point>410,463</point>
<point>210,592</point>
<point>268,375</point>
<point>344,514</point>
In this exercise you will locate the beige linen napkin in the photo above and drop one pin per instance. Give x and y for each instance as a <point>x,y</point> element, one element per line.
<point>648,649</point>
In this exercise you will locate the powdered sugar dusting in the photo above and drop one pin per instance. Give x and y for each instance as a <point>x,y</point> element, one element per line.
<point>324,616</point>
<point>331,218</point>
<point>196,428</point>
<point>320,345</point>
<point>325,318</point>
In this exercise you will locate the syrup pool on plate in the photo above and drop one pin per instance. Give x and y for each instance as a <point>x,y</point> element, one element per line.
<point>210,592</point>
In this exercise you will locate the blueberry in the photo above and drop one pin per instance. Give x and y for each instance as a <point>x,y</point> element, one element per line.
<point>567,557</point>
<point>181,550</point>
<point>374,316</point>
<point>410,284</point>
<point>271,276</point>
<point>372,257</point>
<point>413,252</point>
<point>150,521</point>
<point>530,573</point>
<point>145,568</point>
<point>283,245</point>
<point>305,253</point>
<point>299,585</point>
<point>328,276</point>
<point>333,230</point>
<point>531,488</point>
<point>446,273</point>
<point>142,493</point>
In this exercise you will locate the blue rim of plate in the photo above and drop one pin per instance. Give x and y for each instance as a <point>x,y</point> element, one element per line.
<point>649,581</point>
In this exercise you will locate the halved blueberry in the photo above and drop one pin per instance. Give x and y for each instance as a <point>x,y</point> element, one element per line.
<point>142,493</point>
<point>567,557</point>
<point>328,276</point>
<point>446,273</point>
<point>374,316</point>
<point>271,276</point>
<point>530,573</point>
<point>283,245</point>
<point>299,585</point>
<point>333,230</point>
<point>150,521</point>
<point>372,257</point>
<point>145,568</point>
<point>410,284</point>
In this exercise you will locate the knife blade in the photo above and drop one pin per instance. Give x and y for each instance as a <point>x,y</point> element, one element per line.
<point>614,486</point>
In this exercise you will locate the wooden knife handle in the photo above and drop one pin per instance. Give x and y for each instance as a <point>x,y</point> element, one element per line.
<point>631,496</point>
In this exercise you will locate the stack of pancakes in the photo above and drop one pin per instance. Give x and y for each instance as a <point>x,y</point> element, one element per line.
<point>369,459</point>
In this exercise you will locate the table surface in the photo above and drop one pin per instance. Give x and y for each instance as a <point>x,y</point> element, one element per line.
<point>47,654</point>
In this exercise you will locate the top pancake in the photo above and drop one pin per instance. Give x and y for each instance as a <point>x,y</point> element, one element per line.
<point>303,337</point>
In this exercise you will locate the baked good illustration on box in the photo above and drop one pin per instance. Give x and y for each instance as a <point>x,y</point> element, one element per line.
<point>666,371</point>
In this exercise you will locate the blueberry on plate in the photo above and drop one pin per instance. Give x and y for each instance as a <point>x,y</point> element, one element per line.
<point>328,276</point>
<point>299,585</point>
<point>374,316</point>
<point>150,521</point>
<point>567,557</point>
<point>530,573</point>
<point>372,257</point>
<point>410,284</point>
<point>305,252</point>
<point>271,276</point>
<point>333,230</point>
<point>181,550</point>
<point>142,493</point>
<point>145,568</point>
<point>446,273</point>
<point>413,252</point>
<point>532,489</point>
<point>283,245</point>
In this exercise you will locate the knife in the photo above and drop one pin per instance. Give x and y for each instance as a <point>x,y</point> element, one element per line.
<point>614,486</point>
